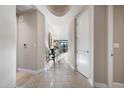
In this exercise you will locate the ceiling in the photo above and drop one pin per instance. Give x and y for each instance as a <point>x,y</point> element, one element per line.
<point>59,10</point>
<point>59,25</point>
<point>24,8</point>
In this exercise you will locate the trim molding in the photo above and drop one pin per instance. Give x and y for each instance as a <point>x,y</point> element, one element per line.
<point>117,85</point>
<point>27,70</point>
<point>31,71</point>
<point>91,82</point>
<point>71,66</point>
<point>40,70</point>
<point>110,45</point>
<point>100,85</point>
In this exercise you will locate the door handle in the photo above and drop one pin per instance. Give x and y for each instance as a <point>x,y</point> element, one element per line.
<point>87,51</point>
<point>112,54</point>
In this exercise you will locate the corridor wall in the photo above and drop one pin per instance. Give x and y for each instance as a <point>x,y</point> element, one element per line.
<point>100,44</point>
<point>7,46</point>
<point>31,43</point>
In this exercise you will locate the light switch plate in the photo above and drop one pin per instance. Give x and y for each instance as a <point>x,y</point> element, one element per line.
<point>116,45</point>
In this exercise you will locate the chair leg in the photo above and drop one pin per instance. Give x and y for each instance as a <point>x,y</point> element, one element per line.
<point>54,62</point>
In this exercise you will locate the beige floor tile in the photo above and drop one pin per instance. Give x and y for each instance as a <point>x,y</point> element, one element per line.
<point>62,76</point>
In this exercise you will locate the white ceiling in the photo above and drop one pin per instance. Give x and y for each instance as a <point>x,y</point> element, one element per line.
<point>24,8</point>
<point>60,25</point>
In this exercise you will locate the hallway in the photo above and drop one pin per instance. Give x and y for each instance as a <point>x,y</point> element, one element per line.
<point>62,76</point>
<point>50,38</point>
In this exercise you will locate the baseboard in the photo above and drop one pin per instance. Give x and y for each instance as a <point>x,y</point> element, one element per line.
<point>118,85</point>
<point>114,85</point>
<point>71,66</point>
<point>100,85</point>
<point>40,70</point>
<point>91,82</point>
<point>31,71</point>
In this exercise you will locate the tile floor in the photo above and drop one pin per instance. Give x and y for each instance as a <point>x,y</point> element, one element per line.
<point>62,76</point>
<point>22,77</point>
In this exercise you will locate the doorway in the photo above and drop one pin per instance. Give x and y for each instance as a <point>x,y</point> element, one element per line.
<point>115,46</point>
<point>84,43</point>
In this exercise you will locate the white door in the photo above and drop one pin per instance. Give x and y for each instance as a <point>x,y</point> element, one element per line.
<point>82,22</point>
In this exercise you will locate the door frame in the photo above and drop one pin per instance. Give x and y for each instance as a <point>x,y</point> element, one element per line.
<point>110,45</point>
<point>91,53</point>
<point>110,14</point>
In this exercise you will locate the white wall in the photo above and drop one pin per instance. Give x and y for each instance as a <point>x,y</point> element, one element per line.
<point>40,41</point>
<point>60,25</point>
<point>7,46</point>
<point>71,44</point>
